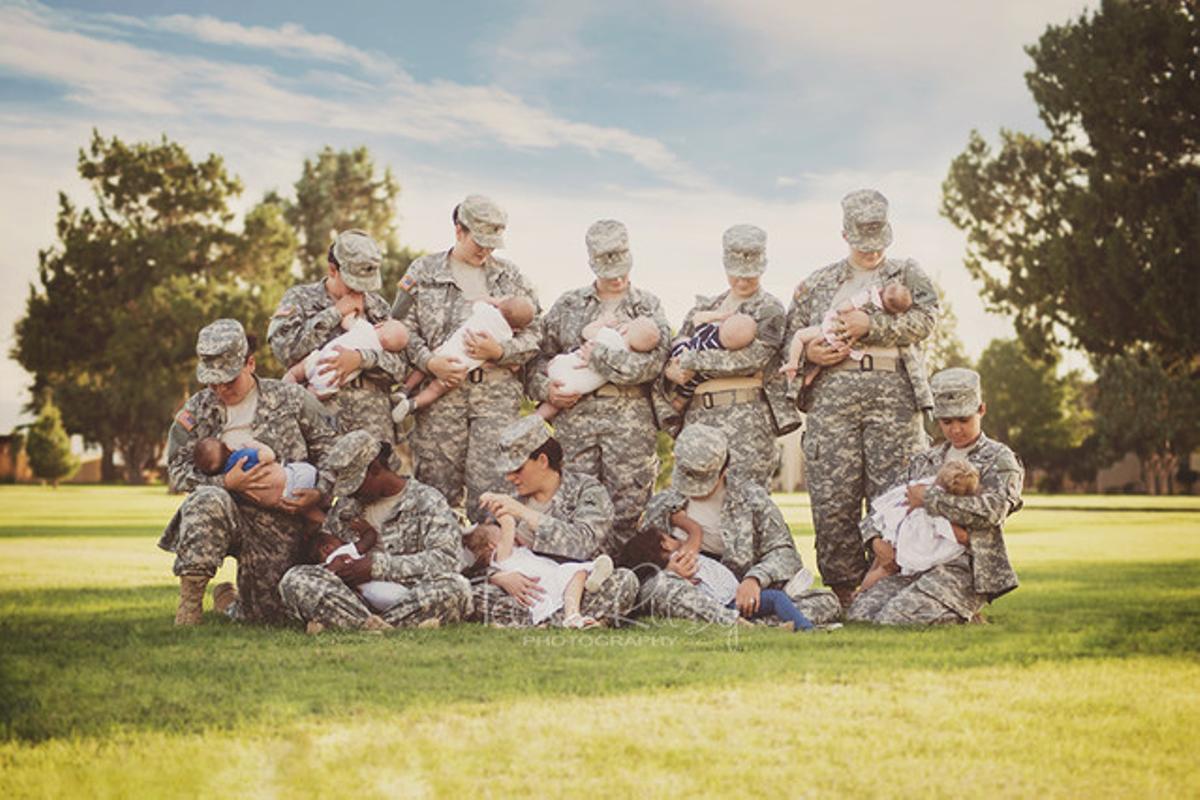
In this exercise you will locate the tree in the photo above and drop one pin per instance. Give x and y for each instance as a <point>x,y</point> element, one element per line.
<point>339,190</point>
<point>49,447</point>
<point>109,330</point>
<point>1089,236</point>
<point>1142,409</point>
<point>1030,408</point>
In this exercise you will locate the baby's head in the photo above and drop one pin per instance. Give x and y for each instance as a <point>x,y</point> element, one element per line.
<point>958,477</point>
<point>518,312</point>
<point>392,335</point>
<point>641,334</point>
<point>481,541</point>
<point>321,545</point>
<point>647,552</point>
<point>210,455</point>
<point>738,331</point>
<point>896,298</point>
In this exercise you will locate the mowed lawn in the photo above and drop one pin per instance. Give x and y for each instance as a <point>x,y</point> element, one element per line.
<point>1087,682</point>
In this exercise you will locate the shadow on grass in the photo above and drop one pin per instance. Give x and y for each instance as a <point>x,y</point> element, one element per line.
<point>89,662</point>
<point>62,531</point>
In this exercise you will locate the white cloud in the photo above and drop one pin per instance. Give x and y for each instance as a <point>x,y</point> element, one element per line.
<point>104,75</point>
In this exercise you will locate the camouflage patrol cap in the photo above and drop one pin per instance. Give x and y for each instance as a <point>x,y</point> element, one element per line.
<point>700,453</point>
<point>221,348</point>
<point>608,249</point>
<point>865,222</point>
<point>348,460</point>
<point>956,393</point>
<point>484,220</point>
<point>520,439</point>
<point>745,251</point>
<point>359,259</point>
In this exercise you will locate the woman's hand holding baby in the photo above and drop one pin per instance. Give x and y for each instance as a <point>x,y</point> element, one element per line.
<point>247,481</point>
<point>482,346</point>
<point>342,365</point>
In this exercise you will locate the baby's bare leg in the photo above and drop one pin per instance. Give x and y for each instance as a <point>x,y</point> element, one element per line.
<point>883,565</point>
<point>296,374</point>
<point>546,411</point>
<point>432,392</point>
<point>413,380</point>
<point>573,594</point>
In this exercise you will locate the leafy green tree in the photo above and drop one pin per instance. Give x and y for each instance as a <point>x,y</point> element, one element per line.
<point>339,190</point>
<point>1142,409</point>
<point>1089,237</point>
<point>49,447</point>
<point>109,330</point>
<point>1030,408</point>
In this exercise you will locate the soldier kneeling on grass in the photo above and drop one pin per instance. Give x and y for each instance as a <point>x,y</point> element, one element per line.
<point>407,577</point>
<point>219,518</point>
<point>957,590</point>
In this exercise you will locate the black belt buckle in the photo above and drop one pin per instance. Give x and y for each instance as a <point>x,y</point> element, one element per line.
<point>706,400</point>
<point>475,375</point>
<point>867,364</point>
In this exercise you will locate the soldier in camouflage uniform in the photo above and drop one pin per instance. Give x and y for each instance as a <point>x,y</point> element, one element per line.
<point>417,547</point>
<point>215,521</point>
<point>454,440</point>
<point>310,315</point>
<point>955,591</point>
<point>743,394</point>
<point>609,434</point>
<point>564,515</point>
<point>750,538</point>
<point>863,420</point>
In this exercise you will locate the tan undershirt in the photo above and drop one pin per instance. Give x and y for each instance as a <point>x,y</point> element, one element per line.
<point>238,430</point>
<point>381,510</point>
<point>471,280</point>
<point>707,514</point>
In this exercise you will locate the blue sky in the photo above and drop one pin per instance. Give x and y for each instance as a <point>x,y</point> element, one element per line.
<point>680,118</point>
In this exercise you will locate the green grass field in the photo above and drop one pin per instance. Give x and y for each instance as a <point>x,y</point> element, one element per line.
<point>1086,683</point>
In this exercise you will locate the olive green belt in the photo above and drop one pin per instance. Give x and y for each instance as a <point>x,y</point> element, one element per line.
<point>869,363</point>
<point>612,390</point>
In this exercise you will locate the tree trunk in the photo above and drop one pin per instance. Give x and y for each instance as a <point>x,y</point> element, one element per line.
<point>108,469</point>
<point>134,455</point>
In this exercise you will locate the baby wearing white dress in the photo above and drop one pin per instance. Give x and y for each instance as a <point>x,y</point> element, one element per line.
<point>499,318</point>
<point>914,540</point>
<point>359,334</point>
<point>571,372</point>
<point>563,583</point>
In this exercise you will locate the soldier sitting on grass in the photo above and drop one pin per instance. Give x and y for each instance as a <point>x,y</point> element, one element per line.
<point>955,591</point>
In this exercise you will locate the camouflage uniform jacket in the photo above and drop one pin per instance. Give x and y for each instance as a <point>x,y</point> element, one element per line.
<point>1001,477</point>
<point>288,419</point>
<point>764,354</point>
<point>432,306</point>
<point>758,543</point>
<point>307,320</point>
<point>577,522</point>
<point>562,331</point>
<point>419,539</point>
<point>906,331</point>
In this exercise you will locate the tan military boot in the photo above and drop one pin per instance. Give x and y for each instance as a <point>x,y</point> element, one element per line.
<point>191,599</point>
<point>224,595</point>
<point>376,624</point>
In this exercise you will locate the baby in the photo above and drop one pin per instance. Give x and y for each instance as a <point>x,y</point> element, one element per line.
<point>913,540</point>
<point>499,317</point>
<point>564,583</point>
<point>571,371</point>
<point>653,548</point>
<point>213,457</point>
<point>359,335</point>
<point>718,330</point>
<point>895,298</point>
<point>379,595</point>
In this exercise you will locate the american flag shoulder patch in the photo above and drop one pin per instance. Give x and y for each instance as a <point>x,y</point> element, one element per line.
<point>185,419</point>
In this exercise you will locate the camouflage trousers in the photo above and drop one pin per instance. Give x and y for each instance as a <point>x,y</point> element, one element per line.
<point>613,601</point>
<point>668,596</point>
<point>455,440</point>
<point>942,595</point>
<point>313,593</point>
<point>861,429</point>
<point>366,407</point>
<point>747,426</point>
<point>211,525</point>
<point>613,439</point>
